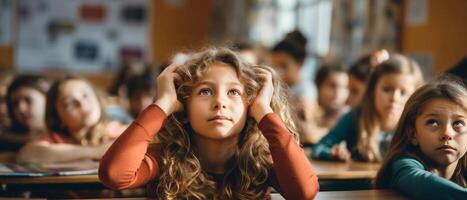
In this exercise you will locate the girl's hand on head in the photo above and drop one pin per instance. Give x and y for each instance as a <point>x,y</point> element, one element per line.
<point>261,105</point>
<point>340,152</point>
<point>166,93</point>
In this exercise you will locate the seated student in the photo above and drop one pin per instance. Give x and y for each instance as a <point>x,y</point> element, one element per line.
<point>26,99</point>
<point>332,82</point>
<point>224,132</point>
<point>117,107</point>
<point>367,130</point>
<point>288,58</point>
<point>79,129</point>
<point>359,73</point>
<point>426,158</point>
<point>141,91</point>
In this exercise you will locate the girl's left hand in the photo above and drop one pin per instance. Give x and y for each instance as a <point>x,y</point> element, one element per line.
<point>261,105</point>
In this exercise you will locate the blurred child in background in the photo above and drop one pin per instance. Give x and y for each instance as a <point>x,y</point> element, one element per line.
<point>367,130</point>
<point>288,58</point>
<point>332,82</point>
<point>141,91</point>
<point>26,100</point>
<point>359,73</point>
<point>77,124</point>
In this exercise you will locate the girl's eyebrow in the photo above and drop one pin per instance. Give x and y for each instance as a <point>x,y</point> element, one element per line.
<point>212,84</point>
<point>430,115</point>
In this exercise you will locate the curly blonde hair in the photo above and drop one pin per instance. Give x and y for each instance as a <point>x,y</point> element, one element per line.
<point>247,172</point>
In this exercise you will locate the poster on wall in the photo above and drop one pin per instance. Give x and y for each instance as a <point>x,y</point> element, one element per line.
<point>80,36</point>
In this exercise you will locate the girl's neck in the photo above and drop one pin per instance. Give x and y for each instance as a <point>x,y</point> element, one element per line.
<point>214,154</point>
<point>386,125</point>
<point>446,171</point>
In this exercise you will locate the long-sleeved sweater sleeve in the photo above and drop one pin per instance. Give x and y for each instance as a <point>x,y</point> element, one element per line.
<point>126,164</point>
<point>411,178</point>
<point>322,150</point>
<point>293,172</point>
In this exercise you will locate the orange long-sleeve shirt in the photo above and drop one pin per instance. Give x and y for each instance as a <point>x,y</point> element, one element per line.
<point>127,164</point>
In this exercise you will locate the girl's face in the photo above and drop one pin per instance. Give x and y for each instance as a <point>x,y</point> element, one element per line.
<point>217,107</point>
<point>78,106</point>
<point>356,90</point>
<point>441,131</point>
<point>288,68</point>
<point>333,92</point>
<point>391,93</point>
<point>29,107</point>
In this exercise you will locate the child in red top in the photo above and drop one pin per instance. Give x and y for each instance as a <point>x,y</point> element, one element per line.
<point>78,127</point>
<point>225,132</point>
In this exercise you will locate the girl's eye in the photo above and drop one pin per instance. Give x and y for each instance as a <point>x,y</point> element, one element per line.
<point>205,92</point>
<point>432,122</point>
<point>67,104</point>
<point>403,92</point>
<point>458,124</point>
<point>387,89</point>
<point>235,92</point>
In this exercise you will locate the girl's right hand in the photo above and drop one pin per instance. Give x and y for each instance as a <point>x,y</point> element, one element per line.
<point>340,152</point>
<point>166,97</point>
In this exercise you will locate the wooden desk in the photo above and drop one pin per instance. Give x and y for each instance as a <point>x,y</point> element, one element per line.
<point>7,156</point>
<point>360,195</point>
<point>336,176</point>
<point>50,179</point>
<point>344,170</point>
<point>325,170</point>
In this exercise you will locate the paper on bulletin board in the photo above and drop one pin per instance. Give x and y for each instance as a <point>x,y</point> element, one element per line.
<point>79,36</point>
<point>417,12</point>
<point>6,17</point>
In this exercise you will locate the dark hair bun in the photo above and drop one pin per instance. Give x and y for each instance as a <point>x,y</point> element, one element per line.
<point>293,44</point>
<point>298,37</point>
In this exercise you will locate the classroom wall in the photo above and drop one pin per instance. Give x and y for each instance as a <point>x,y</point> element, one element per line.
<point>6,56</point>
<point>443,35</point>
<point>177,27</point>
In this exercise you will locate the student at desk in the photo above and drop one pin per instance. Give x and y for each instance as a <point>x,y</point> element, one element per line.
<point>427,156</point>
<point>367,129</point>
<point>79,129</point>
<point>223,129</point>
<point>26,99</point>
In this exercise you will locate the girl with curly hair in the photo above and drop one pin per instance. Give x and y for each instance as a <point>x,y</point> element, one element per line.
<point>222,130</point>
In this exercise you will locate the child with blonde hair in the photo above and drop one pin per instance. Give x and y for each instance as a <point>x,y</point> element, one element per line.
<point>426,158</point>
<point>78,128</point>
<point>223,130</point>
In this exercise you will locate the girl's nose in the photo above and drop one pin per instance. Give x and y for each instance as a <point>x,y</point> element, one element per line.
<point>219,102</point>
<point>23,106</point>
<point>448,133</point>
<point>396,95</point>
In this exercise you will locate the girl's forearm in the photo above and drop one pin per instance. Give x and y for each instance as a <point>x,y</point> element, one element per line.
<point>54,153</point>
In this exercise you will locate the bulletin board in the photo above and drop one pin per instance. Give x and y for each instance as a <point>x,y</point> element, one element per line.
<point>91,36</point>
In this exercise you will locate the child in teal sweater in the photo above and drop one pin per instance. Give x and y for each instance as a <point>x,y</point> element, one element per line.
<point>367,130</point>
<point>426,158</point>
